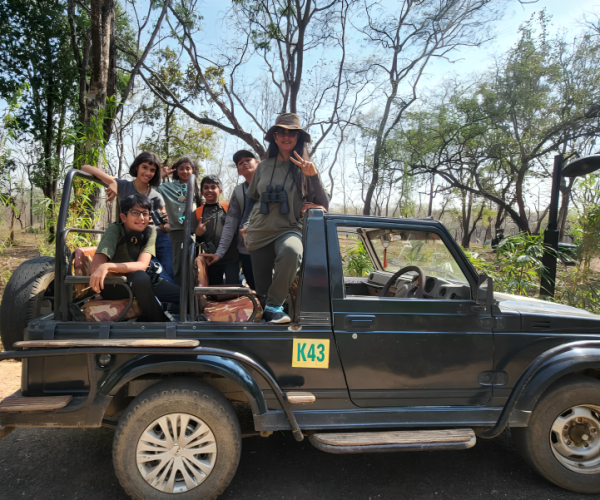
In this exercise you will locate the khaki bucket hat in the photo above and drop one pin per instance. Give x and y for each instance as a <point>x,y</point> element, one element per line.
<point>290,121</point>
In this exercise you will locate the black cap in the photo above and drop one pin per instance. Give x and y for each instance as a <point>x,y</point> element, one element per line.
<point>242,153</point>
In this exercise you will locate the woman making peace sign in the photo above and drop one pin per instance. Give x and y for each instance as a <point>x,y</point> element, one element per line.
<point>285,183</point>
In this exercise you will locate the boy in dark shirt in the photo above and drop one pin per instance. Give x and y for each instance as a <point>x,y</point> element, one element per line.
<point>126,248</point>
<point>211,219</point>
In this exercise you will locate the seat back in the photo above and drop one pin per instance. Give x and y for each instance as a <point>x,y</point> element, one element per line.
<point>108,310</point>
<point>98,309</point>
<point>82,266</point>
<point>232,310</point>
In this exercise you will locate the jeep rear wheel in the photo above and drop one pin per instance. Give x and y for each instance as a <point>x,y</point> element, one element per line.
<point>179,439</point>
<point>562,441</point>
<point>28,294</point>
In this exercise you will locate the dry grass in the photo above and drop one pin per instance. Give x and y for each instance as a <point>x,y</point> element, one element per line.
<point>26,248</point>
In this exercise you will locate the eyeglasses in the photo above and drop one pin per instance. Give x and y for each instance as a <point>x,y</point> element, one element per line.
<point>137,213</point>
<point>285,132</point>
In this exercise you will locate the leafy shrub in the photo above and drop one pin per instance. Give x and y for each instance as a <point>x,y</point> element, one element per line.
<point>579,288</point>
<point>357,261</point>
<point>517,264</point>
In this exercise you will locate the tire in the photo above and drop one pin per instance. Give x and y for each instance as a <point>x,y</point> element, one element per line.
<point>562,441</point>
<point>23,297</point>
<point>170,404</point>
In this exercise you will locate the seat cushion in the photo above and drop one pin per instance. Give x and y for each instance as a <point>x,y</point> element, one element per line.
<point>82,266</point>
<point>108,310</point>
<point>231,311</point>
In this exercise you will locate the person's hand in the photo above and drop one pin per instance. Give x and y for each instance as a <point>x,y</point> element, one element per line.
<point>112,190</point>
<point>166,171</point>
<point>201,229</point>
<point>308,167</point>
<point>211,258</point>
<point>244,235</point>
<point>166,227</point>
<point>97,278</point>
<point>308,206</point>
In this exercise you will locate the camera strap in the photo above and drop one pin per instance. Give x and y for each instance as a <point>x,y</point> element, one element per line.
<point>286,174</point>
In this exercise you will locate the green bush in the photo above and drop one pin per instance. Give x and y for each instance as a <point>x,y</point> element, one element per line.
<point>357,261</point>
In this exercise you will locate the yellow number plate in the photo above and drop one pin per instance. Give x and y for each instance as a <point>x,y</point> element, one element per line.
<point>311,353</point>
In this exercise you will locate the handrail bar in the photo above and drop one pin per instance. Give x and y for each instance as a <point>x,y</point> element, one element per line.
<point>108,280</point>
<point>61,264</point>
<point>185,253</point>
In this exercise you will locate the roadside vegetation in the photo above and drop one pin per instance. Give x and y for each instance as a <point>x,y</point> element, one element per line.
<point>391,137</point>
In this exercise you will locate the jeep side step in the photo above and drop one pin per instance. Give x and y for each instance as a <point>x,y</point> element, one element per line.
<point>21,403</point>
<point>379,442</point>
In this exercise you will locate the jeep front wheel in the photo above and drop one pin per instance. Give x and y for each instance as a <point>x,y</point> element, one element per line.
<point>562,441</point>
<point>178,439</point>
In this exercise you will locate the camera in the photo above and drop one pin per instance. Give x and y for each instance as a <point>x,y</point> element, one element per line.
<point>274,195</point>
<point>208,247</point>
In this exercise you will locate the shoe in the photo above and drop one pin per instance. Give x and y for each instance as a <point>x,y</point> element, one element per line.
<point>275,315</point>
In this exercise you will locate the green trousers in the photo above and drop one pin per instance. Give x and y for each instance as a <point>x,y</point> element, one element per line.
<point>274,267</point>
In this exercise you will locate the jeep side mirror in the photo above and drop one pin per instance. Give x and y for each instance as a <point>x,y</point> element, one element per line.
<point>485,293</point>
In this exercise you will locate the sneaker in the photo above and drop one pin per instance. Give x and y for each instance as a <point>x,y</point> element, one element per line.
<point>275,315</point>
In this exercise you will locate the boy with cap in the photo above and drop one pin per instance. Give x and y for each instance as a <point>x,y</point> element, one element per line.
<point>237,214</point>
<point>126,248</point>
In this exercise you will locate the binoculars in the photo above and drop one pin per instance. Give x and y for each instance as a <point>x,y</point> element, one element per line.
<point>157,217</point>
<point>274,195</point>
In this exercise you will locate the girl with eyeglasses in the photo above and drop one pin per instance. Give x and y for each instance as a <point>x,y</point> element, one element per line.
<point>284,186</point>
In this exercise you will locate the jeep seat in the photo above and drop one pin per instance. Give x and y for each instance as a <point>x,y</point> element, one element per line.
<point>97,309</point>
<point>228,308</point>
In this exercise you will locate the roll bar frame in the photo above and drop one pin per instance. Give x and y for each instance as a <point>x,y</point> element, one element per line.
<point>61,266</point>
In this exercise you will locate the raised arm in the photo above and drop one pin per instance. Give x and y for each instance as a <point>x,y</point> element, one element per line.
<point>112,189</point>
<point>316,193</point>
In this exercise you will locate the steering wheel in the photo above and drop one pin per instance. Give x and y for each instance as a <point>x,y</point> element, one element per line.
<point>418,292</point>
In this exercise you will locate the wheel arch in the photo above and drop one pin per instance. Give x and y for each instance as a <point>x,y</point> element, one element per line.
<point>156,364</point>
<point>584,361</point>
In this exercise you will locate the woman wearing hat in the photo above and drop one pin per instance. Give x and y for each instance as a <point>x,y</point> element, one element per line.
<point>285,183</point>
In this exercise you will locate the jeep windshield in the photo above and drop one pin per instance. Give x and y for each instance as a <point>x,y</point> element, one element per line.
<point>415,248</point>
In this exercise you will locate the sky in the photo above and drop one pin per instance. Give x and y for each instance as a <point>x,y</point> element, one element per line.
<point>469,60</point>
<point>564,15</point>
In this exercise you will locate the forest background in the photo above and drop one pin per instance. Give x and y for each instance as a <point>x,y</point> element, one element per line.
<point>446,108</point>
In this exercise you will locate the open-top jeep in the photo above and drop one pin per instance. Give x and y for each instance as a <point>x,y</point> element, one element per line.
<point>419,355</point>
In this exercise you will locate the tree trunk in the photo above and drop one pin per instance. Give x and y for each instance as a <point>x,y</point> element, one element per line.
<point>563,213</point>
<point>102,18</point>
<point>466,217</point>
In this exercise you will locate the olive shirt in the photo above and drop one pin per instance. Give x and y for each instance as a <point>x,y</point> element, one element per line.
<point>113,245</point>
<point>266,228</point>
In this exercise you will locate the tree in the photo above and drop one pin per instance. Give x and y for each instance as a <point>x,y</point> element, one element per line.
<point>406,41</point>
<point>504,127</point>
<point>34,43</point>
<point>275,36</point>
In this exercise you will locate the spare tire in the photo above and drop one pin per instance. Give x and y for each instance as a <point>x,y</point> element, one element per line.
<point>26,297</point>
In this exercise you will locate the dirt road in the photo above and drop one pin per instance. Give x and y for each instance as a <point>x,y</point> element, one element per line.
<point>76,464</point>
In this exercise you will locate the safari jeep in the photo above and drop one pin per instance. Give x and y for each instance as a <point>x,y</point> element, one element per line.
<point>419,355</point>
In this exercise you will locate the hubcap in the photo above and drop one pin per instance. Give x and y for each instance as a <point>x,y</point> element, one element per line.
<point>176,453</point>
<point>575,439</point>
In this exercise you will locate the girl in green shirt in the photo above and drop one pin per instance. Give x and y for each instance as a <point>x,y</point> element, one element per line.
<point>174,194</point>
<point>284,185</point>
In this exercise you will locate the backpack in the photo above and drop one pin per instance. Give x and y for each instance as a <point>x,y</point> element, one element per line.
<point>200,210</point>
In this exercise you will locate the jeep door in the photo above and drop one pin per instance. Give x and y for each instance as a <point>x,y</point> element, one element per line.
<point>428,351</point>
